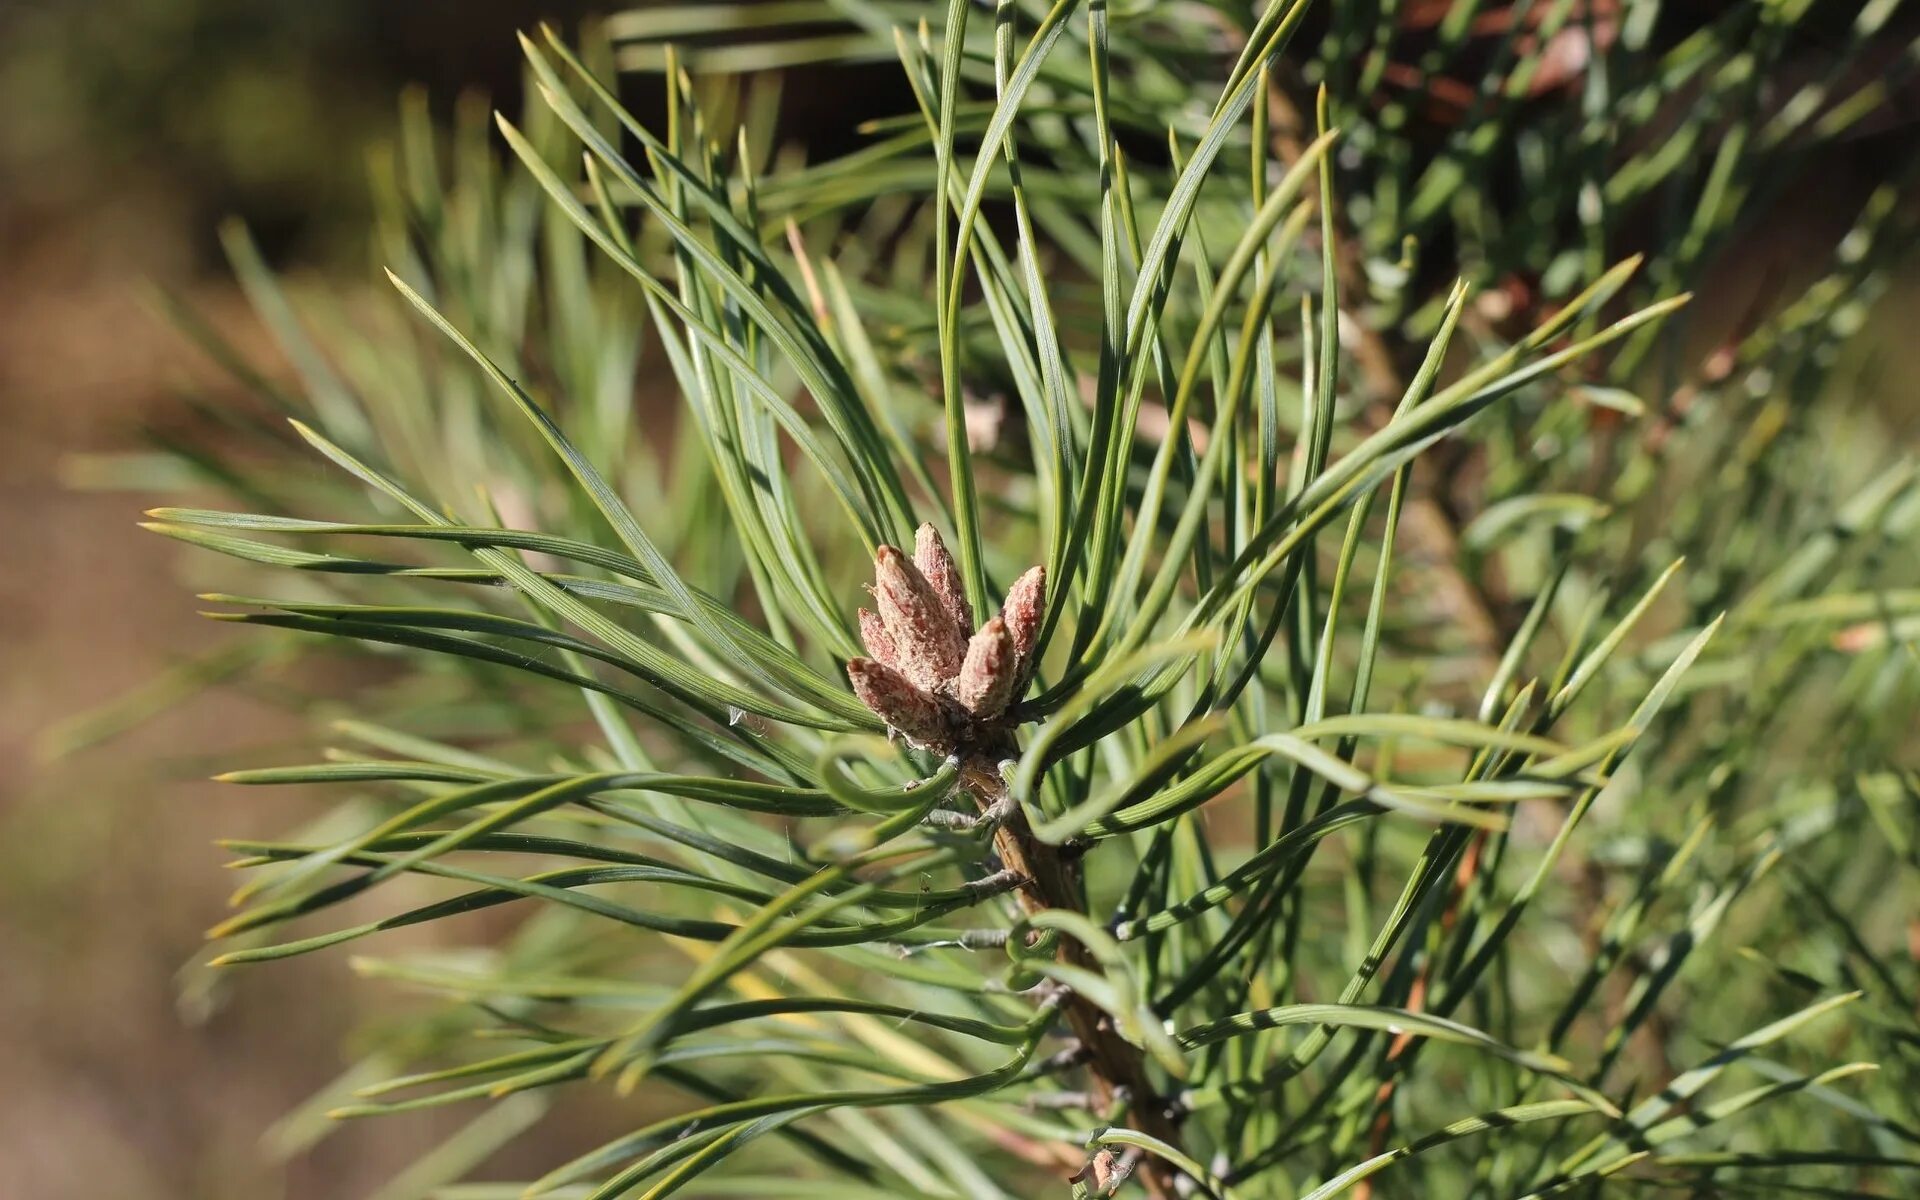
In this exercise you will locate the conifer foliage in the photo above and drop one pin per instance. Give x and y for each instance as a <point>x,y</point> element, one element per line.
<point>1370,706</point>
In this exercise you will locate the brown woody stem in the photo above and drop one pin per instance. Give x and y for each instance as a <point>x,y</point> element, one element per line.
<point>1116,1065</point>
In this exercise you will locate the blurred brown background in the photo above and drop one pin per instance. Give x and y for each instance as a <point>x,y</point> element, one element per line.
<point>131,127</point>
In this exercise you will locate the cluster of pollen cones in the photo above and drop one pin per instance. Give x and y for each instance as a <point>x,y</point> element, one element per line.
<point>932,678</point>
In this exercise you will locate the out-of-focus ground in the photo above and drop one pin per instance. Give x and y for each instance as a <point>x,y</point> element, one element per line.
<point>132,126</point>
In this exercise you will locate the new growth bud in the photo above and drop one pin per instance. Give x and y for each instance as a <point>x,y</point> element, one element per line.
<point>923,675</point>
<point>930,554</point>
<point>897,702</point>
<point>873,635</point>
<point>928,647</point>
<point>991,669</point>
<point>1025,608</point>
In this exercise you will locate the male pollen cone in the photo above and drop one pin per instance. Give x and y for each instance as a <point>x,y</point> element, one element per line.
<point>928,647</point>
<point>897,702</point>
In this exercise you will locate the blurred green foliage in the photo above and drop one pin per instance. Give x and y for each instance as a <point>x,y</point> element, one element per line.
<point>262,108</point>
